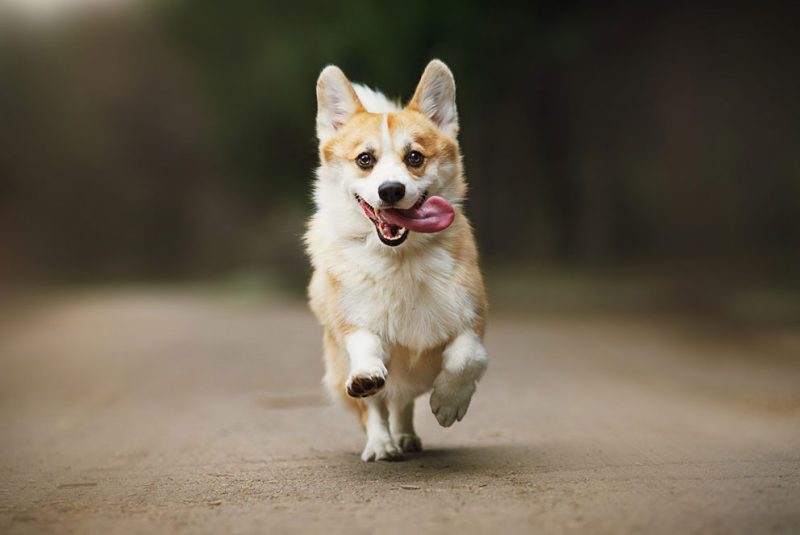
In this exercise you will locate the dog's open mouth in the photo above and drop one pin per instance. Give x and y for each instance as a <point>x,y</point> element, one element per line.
<point>392,235</point>
<point>429,214</point>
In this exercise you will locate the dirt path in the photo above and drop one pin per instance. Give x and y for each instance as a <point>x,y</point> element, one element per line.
<point>157,412</point>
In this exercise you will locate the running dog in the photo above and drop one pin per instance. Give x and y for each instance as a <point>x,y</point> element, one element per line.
<point>396,283</point>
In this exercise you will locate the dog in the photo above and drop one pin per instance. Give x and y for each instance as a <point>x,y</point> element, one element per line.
<point>396,283</point>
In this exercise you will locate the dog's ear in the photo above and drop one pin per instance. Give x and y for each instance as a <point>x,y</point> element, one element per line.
<point>436,97</point>
<point>336,102</point>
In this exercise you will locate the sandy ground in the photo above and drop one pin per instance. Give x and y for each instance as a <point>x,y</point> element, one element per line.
<point>157,412</point>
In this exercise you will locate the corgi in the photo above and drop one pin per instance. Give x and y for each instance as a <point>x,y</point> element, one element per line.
<point>396,283</point>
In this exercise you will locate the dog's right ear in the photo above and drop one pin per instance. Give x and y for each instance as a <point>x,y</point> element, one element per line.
<point>336,102</point>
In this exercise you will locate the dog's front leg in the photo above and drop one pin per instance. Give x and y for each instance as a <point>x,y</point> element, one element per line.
<point>368,359</point>
<point>463,362</point>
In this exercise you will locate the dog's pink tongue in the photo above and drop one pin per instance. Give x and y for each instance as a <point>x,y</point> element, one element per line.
<point>434,215</point>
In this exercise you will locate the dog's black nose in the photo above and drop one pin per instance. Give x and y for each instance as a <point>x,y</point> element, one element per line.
<point>391,192</point>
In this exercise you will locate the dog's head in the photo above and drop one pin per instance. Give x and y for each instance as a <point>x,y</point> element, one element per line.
<point>397,170</point>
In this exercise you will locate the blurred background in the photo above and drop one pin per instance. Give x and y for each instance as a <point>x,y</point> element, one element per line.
<point>626,153</point>
<point>635,188</point>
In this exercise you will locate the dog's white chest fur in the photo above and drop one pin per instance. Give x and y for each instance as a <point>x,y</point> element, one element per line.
<point>410,300</point>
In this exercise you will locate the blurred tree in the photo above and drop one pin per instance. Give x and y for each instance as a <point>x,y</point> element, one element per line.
<point>179,140</point>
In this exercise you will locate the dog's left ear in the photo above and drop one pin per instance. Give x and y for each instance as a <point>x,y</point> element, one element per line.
<point>436,97</point>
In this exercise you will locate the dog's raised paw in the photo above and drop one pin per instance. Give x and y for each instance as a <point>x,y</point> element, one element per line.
<point>449,402</point>
<point>408,443</point>
<point>381,449</point>
<point>365,384</point>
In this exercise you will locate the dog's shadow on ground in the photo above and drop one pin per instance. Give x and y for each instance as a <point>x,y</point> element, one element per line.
<point>445,464</point>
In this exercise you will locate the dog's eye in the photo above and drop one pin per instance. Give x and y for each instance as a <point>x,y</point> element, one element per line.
<point>365,160</point>
<point>414,159</point>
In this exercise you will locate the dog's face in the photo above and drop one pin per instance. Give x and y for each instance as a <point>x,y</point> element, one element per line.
<point>397,172</point>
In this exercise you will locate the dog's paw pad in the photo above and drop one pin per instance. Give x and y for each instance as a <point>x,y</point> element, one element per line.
<point>361,386</point>
<point>381,450</point>
<point>449,403</point>
<point>408,443</point>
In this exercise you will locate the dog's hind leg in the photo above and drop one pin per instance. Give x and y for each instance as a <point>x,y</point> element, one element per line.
<point>401,425</point>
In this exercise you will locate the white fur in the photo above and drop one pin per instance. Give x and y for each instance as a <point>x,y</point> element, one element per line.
<point>367,355</point>
<point>375,101</point>
<point>416,305</point>
<point>437,97</point>
<point>380,445</point>
<point>464,361</point>
<point>335,102</point>
<point>364,349</point>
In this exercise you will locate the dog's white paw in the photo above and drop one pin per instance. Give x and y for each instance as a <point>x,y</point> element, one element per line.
<point>364,382</point>
<point>450,400</point>
<point>408,443</point>
<point>380,449</point>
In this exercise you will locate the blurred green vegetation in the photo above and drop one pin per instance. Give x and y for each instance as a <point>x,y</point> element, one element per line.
<point>176,140</point>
